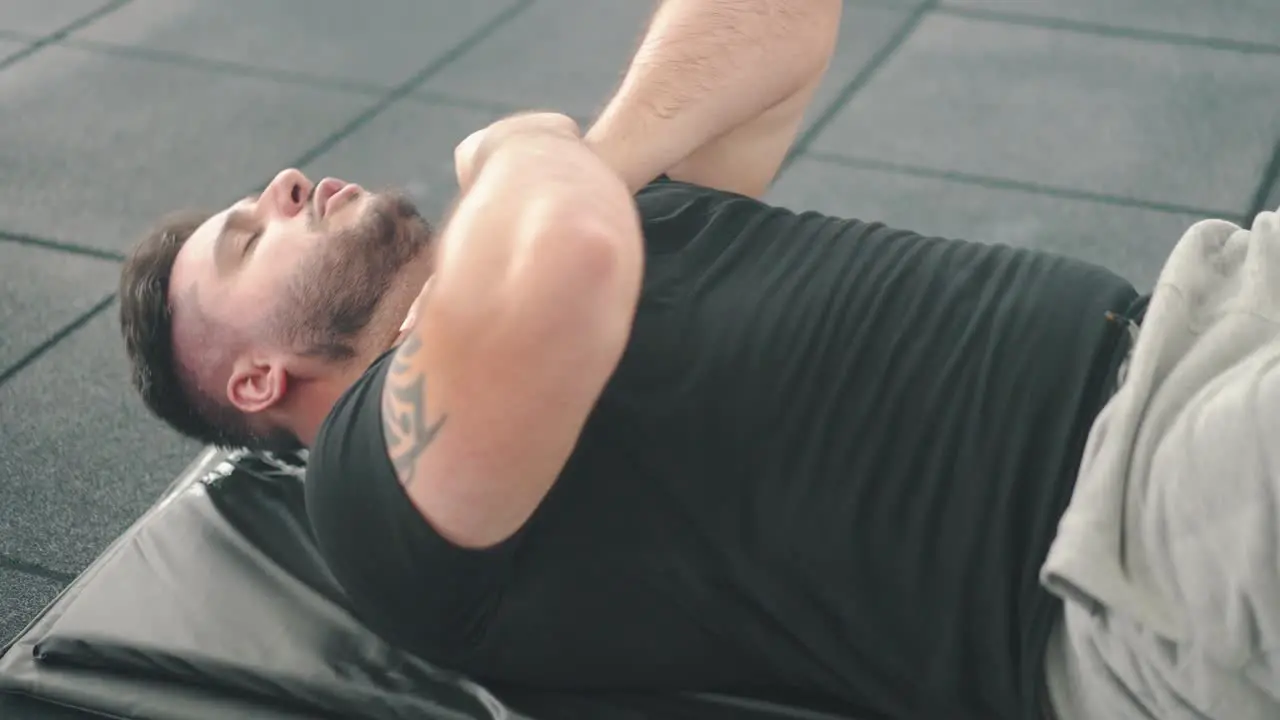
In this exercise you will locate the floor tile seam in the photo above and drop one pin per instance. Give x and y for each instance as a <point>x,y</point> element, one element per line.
<point>1101,29</point>
<point>83,21</point>
<point>227,67</point>
<point>29,359</point>
<point>1006,183</point>
<point>35,570</point>
<point>860,79</point>
<point>70,248</point>
<point>1269,184</point>
<point>409,86</point>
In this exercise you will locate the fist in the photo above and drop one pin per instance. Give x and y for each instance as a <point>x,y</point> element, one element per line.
<point>471,153</point>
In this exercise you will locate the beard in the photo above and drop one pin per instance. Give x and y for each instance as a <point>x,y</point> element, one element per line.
<point>336,294</point>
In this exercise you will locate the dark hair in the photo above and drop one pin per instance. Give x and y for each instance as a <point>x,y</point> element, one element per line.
<point>168,389</point>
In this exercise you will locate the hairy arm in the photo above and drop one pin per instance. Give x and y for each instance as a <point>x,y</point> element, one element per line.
<point>524,321</point>
<point>717,90</point>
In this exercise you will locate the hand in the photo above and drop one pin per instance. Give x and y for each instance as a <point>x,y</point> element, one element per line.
<point>470,154</point>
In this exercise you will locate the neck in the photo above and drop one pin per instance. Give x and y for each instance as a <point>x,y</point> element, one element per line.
<point>311,400</point>
<point>314,391</point>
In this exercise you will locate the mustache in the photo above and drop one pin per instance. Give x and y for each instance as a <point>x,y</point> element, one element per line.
<point>386,200</point>
<point>313,212</point>
<point>398,202</point>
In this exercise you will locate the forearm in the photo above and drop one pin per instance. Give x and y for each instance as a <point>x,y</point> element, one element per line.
<point>706,67</point>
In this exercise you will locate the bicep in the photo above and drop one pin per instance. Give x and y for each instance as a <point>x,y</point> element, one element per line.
<point>482,407</point>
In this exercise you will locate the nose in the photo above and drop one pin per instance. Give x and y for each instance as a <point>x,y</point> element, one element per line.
<point>287,193</point>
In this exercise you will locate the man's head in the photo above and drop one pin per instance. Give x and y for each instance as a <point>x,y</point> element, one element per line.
<point>244,326</point>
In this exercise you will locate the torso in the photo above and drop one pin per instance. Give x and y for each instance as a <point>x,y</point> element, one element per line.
<point>824,468</point>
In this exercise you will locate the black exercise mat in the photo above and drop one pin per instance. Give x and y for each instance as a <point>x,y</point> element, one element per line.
<point>216,604</point>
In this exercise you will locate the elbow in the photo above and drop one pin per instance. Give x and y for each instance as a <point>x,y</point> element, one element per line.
<point>607,252</point>
<point>578,278</point>
<point>813,29</point>
<point>597,253</point>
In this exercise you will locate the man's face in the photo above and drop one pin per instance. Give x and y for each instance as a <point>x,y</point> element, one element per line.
<point>305,268</point>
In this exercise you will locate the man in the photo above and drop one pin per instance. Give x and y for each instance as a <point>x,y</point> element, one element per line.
<point>646,432</point>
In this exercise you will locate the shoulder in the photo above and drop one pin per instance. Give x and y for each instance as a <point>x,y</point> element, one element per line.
<point>674,213</point>
<point>352,431</point>
<point>350,478</point>
<point>401,577</point>
<point>664,196</point>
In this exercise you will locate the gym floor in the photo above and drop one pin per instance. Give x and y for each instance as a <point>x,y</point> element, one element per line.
<point>1097,128</point>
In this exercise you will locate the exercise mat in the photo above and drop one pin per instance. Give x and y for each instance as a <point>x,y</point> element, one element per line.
<point>216,604</point>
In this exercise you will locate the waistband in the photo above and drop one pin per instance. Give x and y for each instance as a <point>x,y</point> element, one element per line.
<point>1131,321</point>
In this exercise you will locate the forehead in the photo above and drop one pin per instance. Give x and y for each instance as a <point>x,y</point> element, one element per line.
<point>195,263</point>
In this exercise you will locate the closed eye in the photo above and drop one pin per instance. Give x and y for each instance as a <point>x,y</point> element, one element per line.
<point>248,244</point>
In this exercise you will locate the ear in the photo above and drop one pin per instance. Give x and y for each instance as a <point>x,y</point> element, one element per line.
<point>256,384</point>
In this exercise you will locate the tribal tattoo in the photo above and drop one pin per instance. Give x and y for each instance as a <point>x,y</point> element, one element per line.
<point>404,411</point>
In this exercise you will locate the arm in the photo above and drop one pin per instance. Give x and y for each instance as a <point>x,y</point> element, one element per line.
<point>717,91</point>
<point>525,319</point>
